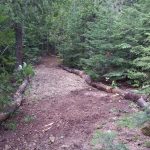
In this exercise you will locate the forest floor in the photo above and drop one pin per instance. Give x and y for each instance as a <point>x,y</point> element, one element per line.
<point>61,112</point>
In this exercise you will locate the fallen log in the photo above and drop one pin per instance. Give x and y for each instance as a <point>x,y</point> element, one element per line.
<point>140,99</point>
<point>17,100</point>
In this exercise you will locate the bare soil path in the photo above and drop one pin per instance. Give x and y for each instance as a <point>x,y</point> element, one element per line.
<point>61,112</point>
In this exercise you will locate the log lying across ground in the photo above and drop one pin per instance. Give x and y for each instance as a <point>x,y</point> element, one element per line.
<point>17,100</point>
<point>140,99</point>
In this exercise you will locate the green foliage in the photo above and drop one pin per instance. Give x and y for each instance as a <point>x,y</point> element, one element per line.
<point>26,70</point>
<point>23,72</point>
<point>109,40</point>
<point>28,119</point>
<point>7,63</point>
<point>10,125</point>
<point>135,120</point>
<point>113,84</point>
<point>147,144</point>
<point>116,75</point>
<point>9,82</point>
<point>33,18</point>
<point>108,43</point>
<point>107,141</point>
<point>74,28</point>
<point>5,89</point>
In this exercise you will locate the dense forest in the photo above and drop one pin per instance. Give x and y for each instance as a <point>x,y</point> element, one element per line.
<point>110,40</point>
<point>105,42</point>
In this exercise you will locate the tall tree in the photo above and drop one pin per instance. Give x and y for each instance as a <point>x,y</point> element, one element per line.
<point>24,14</point>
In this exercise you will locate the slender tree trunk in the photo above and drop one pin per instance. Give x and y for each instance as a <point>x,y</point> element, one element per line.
<point>19,44</point>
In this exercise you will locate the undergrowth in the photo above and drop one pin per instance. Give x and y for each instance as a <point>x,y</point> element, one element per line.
<point>106,140</point>
<point>10,82</point>
<point>135,120</point>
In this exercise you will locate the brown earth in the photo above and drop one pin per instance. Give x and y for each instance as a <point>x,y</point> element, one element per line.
<point>61,112</point>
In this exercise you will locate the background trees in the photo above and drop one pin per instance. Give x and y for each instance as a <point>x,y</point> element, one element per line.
<point>109,39</point>
<point>23,32</point>
<point>105,38</point>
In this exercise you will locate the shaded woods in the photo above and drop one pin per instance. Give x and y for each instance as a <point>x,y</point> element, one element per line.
<point>108,40</point>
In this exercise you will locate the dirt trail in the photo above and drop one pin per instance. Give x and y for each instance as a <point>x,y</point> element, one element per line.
<point>61,112</point>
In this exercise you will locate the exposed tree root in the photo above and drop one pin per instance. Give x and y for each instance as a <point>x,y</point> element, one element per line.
<point>18,97</point>
<point>140,99</point>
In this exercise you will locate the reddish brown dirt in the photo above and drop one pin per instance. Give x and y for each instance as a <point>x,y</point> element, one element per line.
<point>64,112</point>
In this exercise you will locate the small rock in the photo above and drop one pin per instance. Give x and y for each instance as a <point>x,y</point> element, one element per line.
<point>51,139</point>
<point>98,126</point>
<point>114,118</point>
<point>62,137</point>
<point>129,139</point>
<point>65,147</point>
<point>98,147</point>
<point>7,147</point>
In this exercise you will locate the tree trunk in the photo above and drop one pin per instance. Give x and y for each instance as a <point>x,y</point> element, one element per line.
<point>19,44</point>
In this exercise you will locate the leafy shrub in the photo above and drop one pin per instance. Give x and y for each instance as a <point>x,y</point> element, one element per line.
<point>9,82</point>
<point>27,70</point>
<point>109,43</point>
<point>6,89</point>
<point>10,125</point>
<point>23,71</point>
